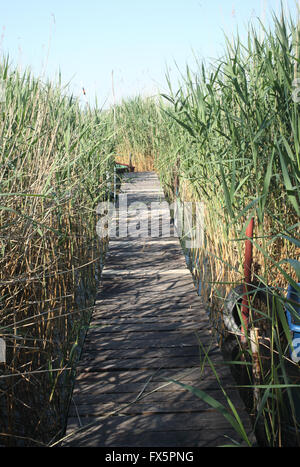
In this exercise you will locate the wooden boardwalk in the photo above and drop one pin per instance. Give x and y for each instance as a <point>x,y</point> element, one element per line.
<point>145,332</point>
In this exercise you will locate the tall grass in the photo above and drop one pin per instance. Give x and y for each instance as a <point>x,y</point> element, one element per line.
<point>244,157</point>
<point>136,128</point>
<point>55,160</point>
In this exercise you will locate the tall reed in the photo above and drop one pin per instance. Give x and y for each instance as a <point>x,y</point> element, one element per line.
<point>55,160</point>
<point>136,126</point>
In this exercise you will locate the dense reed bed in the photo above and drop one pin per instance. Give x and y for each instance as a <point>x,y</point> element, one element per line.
<point>229,137</point>
<point>56,159</point>
<point>136,128</point>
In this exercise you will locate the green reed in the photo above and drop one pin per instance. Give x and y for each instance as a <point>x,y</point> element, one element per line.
<point>56,158</point>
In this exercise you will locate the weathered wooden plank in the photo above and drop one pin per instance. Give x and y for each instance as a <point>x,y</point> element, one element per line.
<point>132,407</point>
<point>149,288</point>
<point>149,338</point>
<point>182,285</point>
<point>145,267</point>
<point>114,404</point>
<point>135,318</point>
<point>160,309</point>
<point>153,430</point>
<point>139,331</point>
<point>187,351</point>
<point>150,393</point>
<point>143,327</point>
<point>193,376</point>
<point>146,342</point>
<point>93,387</point>
<point>147,316</point>
<point>149,440</point>
<point>198,377</point>
<point>90,364</point>
<point>143,291</point>
<point>132,349</point>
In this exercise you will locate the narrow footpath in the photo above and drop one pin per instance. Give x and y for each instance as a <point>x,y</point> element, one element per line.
<point>149,329</point>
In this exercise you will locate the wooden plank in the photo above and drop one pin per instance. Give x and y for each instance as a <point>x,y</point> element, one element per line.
<point>161,308</point>
<point>104,327</point>
<point>194,376</point>
<point>145,342</point>
<point>155,430</point>
<point>87,403</point>
<point>109,354</point>
<point>150,285</point>
<point>163,283</point>
<point>133,407</point>
<point>149,316</point>
<point>147,336</point>
<point>144,272</point>
<point>149,440</point>
<point>142,286</point>
<point>89,364</point>
<point>94,387</point>
<point>162,318</point>
<point>150,394</point>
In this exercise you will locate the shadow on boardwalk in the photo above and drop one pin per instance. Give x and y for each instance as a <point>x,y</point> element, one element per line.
<point>145,331</point>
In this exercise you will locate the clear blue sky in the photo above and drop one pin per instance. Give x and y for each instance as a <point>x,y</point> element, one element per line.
<point>135,39</point>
